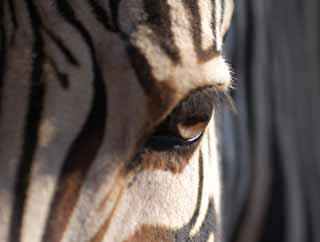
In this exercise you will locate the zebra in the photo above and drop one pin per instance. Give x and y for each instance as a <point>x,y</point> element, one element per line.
<point>107,120</point>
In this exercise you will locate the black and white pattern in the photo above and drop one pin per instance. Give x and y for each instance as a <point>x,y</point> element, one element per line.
<point>83,87</point>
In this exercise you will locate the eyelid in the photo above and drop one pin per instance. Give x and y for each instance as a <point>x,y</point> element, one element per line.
<point>200,103</point>
<point>196,108</point>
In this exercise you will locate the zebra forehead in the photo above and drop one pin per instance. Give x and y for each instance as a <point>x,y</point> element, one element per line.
<point>176,45</point>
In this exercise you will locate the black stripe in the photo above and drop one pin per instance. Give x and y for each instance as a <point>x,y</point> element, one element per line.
<point>13,20</point>
<point>71,59</point>
<point>62,77</point>
<point>213,20</point>
<point>84,148</point>
<point>102,16</point>
<point>195,21</point>
<point>200,191</point>
<point>32,121</point>
<point>222,12</point>
<point>2,53</point>
<point>159,21</point>
<point>13,14</point>
<point>208,226</point>
<point>114,7</point>
<point>142,69</point>
<point>157,102</point>
<point>66,52</point>
<point>183,234</point>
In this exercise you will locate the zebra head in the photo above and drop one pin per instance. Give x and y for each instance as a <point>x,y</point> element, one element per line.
<point>107,121</point>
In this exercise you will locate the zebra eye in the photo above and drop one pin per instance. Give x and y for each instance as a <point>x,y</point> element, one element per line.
<point>183,134</point>
<point>185,125</point>
<point>174,141</point>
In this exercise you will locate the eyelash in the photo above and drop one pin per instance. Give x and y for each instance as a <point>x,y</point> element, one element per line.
<point>164,140</point>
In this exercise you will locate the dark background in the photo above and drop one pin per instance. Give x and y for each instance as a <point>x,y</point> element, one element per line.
<point>274,48</point>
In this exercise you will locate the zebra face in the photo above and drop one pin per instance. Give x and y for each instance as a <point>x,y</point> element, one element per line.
<point>113,137</point>
<point>170,49</point>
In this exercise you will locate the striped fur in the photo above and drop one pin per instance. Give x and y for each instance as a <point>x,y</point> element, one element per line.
<point>83,85</point>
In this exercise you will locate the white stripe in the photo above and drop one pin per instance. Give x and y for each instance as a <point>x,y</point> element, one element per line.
<point>37,206</point>
<point>214,173</point>
<point>181,29</point>
<point>211,177</point>
<point>205,7</point>
<point>211,238</point>
<point>218,24</point>
<point>227,15</point>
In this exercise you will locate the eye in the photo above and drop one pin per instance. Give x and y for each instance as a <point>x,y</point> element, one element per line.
<point>186,124</point>
<point>184,134</point>
<point>176,138</point>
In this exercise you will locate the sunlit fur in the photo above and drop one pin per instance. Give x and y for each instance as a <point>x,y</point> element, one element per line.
<point>80,94</point>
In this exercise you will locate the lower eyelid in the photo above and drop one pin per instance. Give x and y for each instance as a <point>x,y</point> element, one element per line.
<point>174,160</point>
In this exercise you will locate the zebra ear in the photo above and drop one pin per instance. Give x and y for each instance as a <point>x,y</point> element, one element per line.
<point>228,13</point>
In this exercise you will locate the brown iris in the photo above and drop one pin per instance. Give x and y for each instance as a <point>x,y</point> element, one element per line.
<point>191,131</point>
